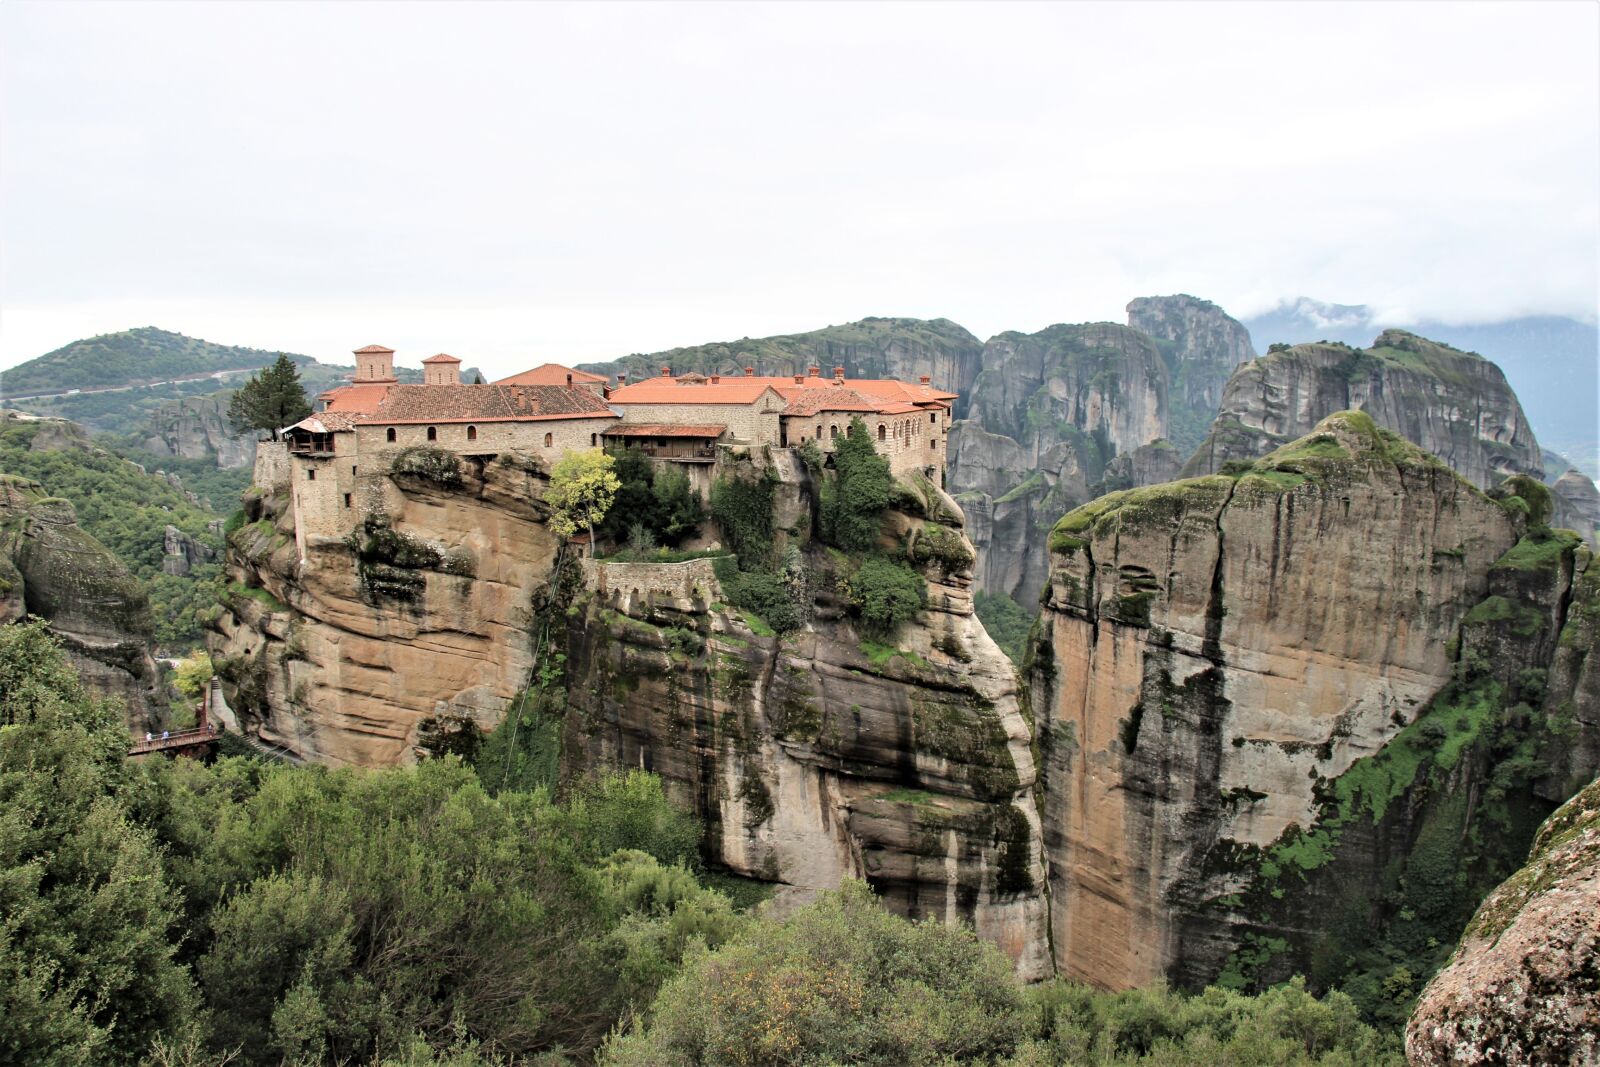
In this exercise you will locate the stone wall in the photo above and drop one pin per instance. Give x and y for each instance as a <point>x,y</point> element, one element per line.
<point>691,585</point>
<point>272,465</point>
<point>746,423</point>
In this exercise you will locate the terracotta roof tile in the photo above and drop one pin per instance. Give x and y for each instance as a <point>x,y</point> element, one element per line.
<point>551,374</point>
<point>442,358</point>
<point>667,391</point>
<point>487,403</point>
<point>834,398</point>
<point>663,429</point>
<point>884,396</point>
<point>356,399</point>
<point>369,349</point>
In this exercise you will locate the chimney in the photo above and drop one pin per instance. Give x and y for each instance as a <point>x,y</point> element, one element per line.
<point>569,381</point>
<point>923,379</point>
<point>622,379</point>
<point>814,371</point>
<point>798,378</point>
<point>666,372</point>
<point>749,372</point>
<point>441,370</point>
<point>716,379</point>
<point>838,374</point>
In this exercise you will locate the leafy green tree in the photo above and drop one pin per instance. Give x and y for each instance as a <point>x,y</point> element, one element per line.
<point>193,674</point>
<point>270,400</point>
<point>581,490</point>
<point>842,981</point>
<point>87,968</point>
<point>852,507</point>
<point>886,594</point>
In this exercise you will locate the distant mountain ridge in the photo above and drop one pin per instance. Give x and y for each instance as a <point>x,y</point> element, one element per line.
<point>1553,363</point>
<point>131,357</point>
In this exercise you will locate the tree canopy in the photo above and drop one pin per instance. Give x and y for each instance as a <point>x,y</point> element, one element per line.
<point>270,400</point>
<point>581,490</point>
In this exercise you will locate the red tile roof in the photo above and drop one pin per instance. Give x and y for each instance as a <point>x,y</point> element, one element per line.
<point>668,391</point>
<point>442,358</point>
<point>486,403</point>
<point>358,399</point>
<point>884,396</point>
<point>663,429</point>
<point>368,349</point>
<point>552,374</point>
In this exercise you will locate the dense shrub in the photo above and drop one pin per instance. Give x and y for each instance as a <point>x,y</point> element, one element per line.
<point>767,596</point>
<point>742,504</point>
<point>1006,622</point>
<point>853,503</point>
<point>885,594</point>
<point>942,547</point>
<point>654,497</point>
<point>841,981</point>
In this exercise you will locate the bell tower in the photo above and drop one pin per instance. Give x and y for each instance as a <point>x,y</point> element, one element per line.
<point>375,363</point>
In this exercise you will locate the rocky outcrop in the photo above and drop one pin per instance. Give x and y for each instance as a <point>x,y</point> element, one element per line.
<point>1203,344</point>
<point>823,755</point>
<point>1524,985</point>
<point>339,656</point>
<point>181,554</point>
<point>1049,413</point>
<point>871,348</point>
<point>1454,404</point>
<point>1264,699</point>
<point>51,568</point>
<point>198,428</point>
<point>1577,504</point>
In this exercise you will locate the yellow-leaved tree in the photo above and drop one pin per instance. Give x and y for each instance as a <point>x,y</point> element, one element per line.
<point>582,487</point>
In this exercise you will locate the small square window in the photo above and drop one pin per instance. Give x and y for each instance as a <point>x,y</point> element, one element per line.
<point>311,475</point>
<point>347,500</point>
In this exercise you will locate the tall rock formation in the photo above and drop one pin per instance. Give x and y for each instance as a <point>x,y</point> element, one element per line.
<point>871,348</point>
<point>198,428</point>
<point>1524,985</point>
<point>1203,344</point>
<point>1049,413</point>
<point>811,757</point>
<point>1453,404</point>
<point>1271,705</point>
<point>51,568</point>
<point>821,755</point>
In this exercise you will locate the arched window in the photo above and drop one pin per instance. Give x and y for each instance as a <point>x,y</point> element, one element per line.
<point>549,439</point>
<point>594,440</point>
<point>883,432</point>
<point>472,433</point>
<point>933,446</point>
<point>933,419</point>
<point>388,435</point>
<point>833,432</point>
<point>433,433</point>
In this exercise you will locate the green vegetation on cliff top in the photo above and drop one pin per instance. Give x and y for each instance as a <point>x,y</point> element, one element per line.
<point>134,356</point>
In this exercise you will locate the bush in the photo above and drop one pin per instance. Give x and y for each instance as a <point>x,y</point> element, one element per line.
<point>842,981</point>
<point>654,497</point>
<point>742,507</point>
<point>886,594</point>
<point>942,547</point>
<point>852,506</point>
<point>767,596</point>
<point>430,464</point>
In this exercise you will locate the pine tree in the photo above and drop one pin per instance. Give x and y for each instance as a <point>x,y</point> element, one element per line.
<point>270,400</point>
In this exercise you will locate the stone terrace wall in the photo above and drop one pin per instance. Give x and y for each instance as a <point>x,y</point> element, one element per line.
<point>692,582</point>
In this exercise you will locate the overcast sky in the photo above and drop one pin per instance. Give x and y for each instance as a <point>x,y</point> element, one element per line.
<point>516,182</point>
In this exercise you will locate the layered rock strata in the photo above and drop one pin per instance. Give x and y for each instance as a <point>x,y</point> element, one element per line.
<point>340,654</point>
<point>51,568</point>
<point>1453,404</point>
<point>1228,667</point>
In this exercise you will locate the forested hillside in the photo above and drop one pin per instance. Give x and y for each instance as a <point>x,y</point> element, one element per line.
<point>128,510</point>
<point>131,357</point>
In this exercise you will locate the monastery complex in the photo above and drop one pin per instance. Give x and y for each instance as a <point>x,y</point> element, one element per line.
<point>339,458</point>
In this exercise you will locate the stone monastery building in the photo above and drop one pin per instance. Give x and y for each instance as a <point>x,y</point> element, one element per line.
<point>339,458</point>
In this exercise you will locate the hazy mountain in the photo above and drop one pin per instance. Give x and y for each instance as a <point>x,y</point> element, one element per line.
<point>1553,363</point>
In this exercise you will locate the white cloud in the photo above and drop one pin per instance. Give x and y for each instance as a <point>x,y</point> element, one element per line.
<point>592,180</point>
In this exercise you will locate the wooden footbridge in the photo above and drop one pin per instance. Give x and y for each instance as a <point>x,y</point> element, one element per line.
<point>200,740</point>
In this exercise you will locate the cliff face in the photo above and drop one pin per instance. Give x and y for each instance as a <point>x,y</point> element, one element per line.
<point>1577,504</point>
<point>1453,404</point>
<point>339,656</point>
<point>198,428</point>
<point>1524,985</point>
<point>1203,345</point>
<point>51,568</point>
<point>811,757</point>
<point>1261,698</point>
<point>1048,414</point>
<point>819,755</point>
